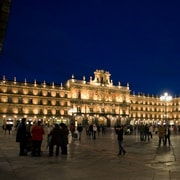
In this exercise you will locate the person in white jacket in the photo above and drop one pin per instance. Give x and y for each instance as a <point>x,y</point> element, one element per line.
<point>94,131</point>
<point>151,131</point>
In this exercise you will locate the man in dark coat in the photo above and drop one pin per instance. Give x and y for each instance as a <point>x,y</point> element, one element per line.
<point>55,136</point>
<point>167,135</point>
<point>21,137</point>
<point>120,132</point>
<point>64,138</point>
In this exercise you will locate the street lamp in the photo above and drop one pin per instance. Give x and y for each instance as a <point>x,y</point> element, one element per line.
<point>166,97</point>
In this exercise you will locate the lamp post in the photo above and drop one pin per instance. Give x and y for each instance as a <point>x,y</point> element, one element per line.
<point>166,97</point>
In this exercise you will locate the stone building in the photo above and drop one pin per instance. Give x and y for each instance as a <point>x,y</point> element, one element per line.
<point>80,101</point>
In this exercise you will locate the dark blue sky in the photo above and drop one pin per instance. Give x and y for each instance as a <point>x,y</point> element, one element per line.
<point>136,41</point>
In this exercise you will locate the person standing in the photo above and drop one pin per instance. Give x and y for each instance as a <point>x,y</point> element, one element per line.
<point>141,129</point>
<point>151,131</point>
<point>103,129</point>
<point>91,130</point>
<point>161,133</point>
<point>9,128</point>
<point>167,135</point>
<point>146,132</point>
<point>72,129</point>
<point>4,128</point>
<point>80,129</point>
<point>94,131</point>
<point>120,132</point>
<point>64,138</point>
<point>37,132</point>
<point>21,137</point>
<point>98,129</point>
<point>55,135</point>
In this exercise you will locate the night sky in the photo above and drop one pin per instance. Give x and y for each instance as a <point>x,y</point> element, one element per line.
<point>138,42</point>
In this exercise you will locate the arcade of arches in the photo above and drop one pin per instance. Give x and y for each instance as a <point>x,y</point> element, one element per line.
<point>95,101</point>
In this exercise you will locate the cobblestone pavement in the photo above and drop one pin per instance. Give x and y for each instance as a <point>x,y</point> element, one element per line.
<point>93,159</point>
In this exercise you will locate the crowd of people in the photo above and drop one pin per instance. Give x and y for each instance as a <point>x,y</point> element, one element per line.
<point>162,130</point>
<point>58,137</point>
<point>30,136</point>
<point>146,133</point>
<point>92,130</point>
<point>164,134</point>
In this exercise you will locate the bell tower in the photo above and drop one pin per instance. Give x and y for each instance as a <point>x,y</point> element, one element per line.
<point>102,77</point>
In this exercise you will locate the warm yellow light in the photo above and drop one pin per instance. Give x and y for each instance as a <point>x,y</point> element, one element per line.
<point>166,97</point>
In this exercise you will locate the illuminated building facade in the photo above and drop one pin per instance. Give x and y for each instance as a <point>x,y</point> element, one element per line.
<point>81,101</point>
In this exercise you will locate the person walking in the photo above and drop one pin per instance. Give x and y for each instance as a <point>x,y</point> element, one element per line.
<point>37,132</point>
<point>120,132</point>
<point>55,135</point>
<point>21,137</point>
